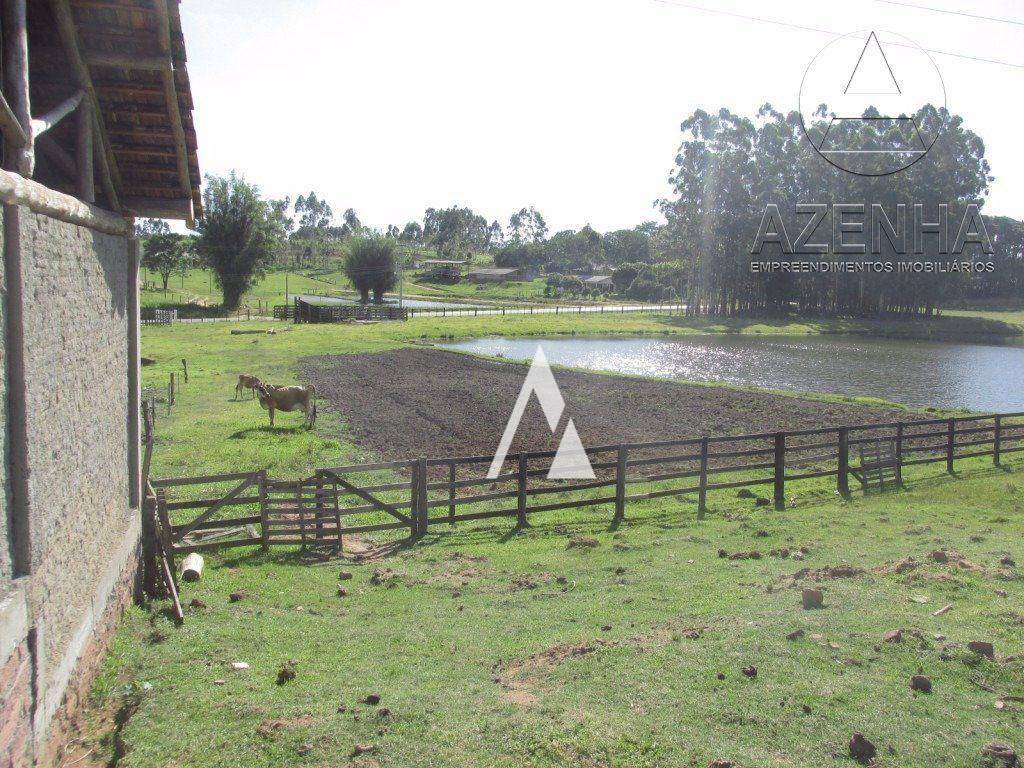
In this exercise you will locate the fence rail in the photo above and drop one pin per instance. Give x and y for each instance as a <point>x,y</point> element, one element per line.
<point>413,495</point>
<point>391,312</point>
<point>302,311</point>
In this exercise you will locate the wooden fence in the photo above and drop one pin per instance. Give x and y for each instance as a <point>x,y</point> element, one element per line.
<point>158,316</point>
<point>304,312</point>
<point>413,495</point>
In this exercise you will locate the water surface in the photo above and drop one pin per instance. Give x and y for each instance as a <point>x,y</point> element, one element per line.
<point>969,375</point>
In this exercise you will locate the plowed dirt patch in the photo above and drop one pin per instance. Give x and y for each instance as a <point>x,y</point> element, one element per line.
<point>412,402</point>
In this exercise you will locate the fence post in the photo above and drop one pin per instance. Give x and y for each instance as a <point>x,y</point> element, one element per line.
<point>950,444</point>
<point>451,492</point>
<point>184,367</point>
<point>702,494</point>
<point>414,497</point>
<point>421,507</point>
<point>521,486</point>
<point>780,470</point>
<point>899,454</point>
<point>620,483</point>
<point>843,478</point>
<point>264,528</point>
<point>998,440</point>
<point>318,506</point>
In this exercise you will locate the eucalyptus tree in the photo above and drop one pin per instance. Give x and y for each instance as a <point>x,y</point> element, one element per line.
<point>729,169</point>
<point>527,226</point>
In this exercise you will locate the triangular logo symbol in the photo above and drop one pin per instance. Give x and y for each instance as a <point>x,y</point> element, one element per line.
<point>571,461</point>
<point>872,75</point>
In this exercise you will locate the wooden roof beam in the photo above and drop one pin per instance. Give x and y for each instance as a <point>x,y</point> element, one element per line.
<point>160,207</point>
<point>20,154</point>
<point>13,133</point>
<point>56,154</point>
<point>127,61</point>
<point>173,108</point>
<point>109,175</point>
<point>58,113</point>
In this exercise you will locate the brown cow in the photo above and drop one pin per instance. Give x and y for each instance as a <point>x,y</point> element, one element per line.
<point>296,398</point>
<point>245,381</point>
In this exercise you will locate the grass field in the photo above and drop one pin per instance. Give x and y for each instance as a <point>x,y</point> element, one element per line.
<point>527,291</point>
<point>197,284</point>
<point>1012,316</point>
<point>494,648</point>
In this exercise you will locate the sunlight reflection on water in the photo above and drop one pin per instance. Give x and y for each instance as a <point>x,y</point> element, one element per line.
<point>981,377</point>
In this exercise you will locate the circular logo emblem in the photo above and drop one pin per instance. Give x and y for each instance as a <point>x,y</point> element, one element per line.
<point>872,103</point>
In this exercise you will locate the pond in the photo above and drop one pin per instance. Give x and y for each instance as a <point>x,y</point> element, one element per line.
<point>967,375</point>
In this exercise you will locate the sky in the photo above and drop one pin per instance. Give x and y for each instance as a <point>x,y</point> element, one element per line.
<point>571,106</point>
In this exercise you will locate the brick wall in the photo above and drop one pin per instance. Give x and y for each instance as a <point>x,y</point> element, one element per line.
<point>15,708</point>
<point>80,537</point>
<point>5,546</point>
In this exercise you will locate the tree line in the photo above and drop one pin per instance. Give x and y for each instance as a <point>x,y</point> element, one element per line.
<point>730,168</point>
<point>727,171</point>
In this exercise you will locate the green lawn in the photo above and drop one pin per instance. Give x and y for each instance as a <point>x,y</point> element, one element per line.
<point>1015,317</point>
<point>490,649</point>
<point>197,284</point>
<point>531,291</point>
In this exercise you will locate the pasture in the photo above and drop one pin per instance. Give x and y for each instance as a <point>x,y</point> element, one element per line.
<point>627,644</point>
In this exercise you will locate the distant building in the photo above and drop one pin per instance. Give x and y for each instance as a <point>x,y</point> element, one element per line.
<point>443,269</point>
<point>604,282</point>
<point>493,275</point>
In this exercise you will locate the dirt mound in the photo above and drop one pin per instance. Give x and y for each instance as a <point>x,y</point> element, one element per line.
<point>520,679</point>
<point>553,655</point>
<point>413,402</point>
<point>268,727</point>
<point>827,574</point>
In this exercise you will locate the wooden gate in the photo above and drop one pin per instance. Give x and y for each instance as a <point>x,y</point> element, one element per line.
<point>878,464</point>
<point>360,506</point>
<point>300,512</point>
